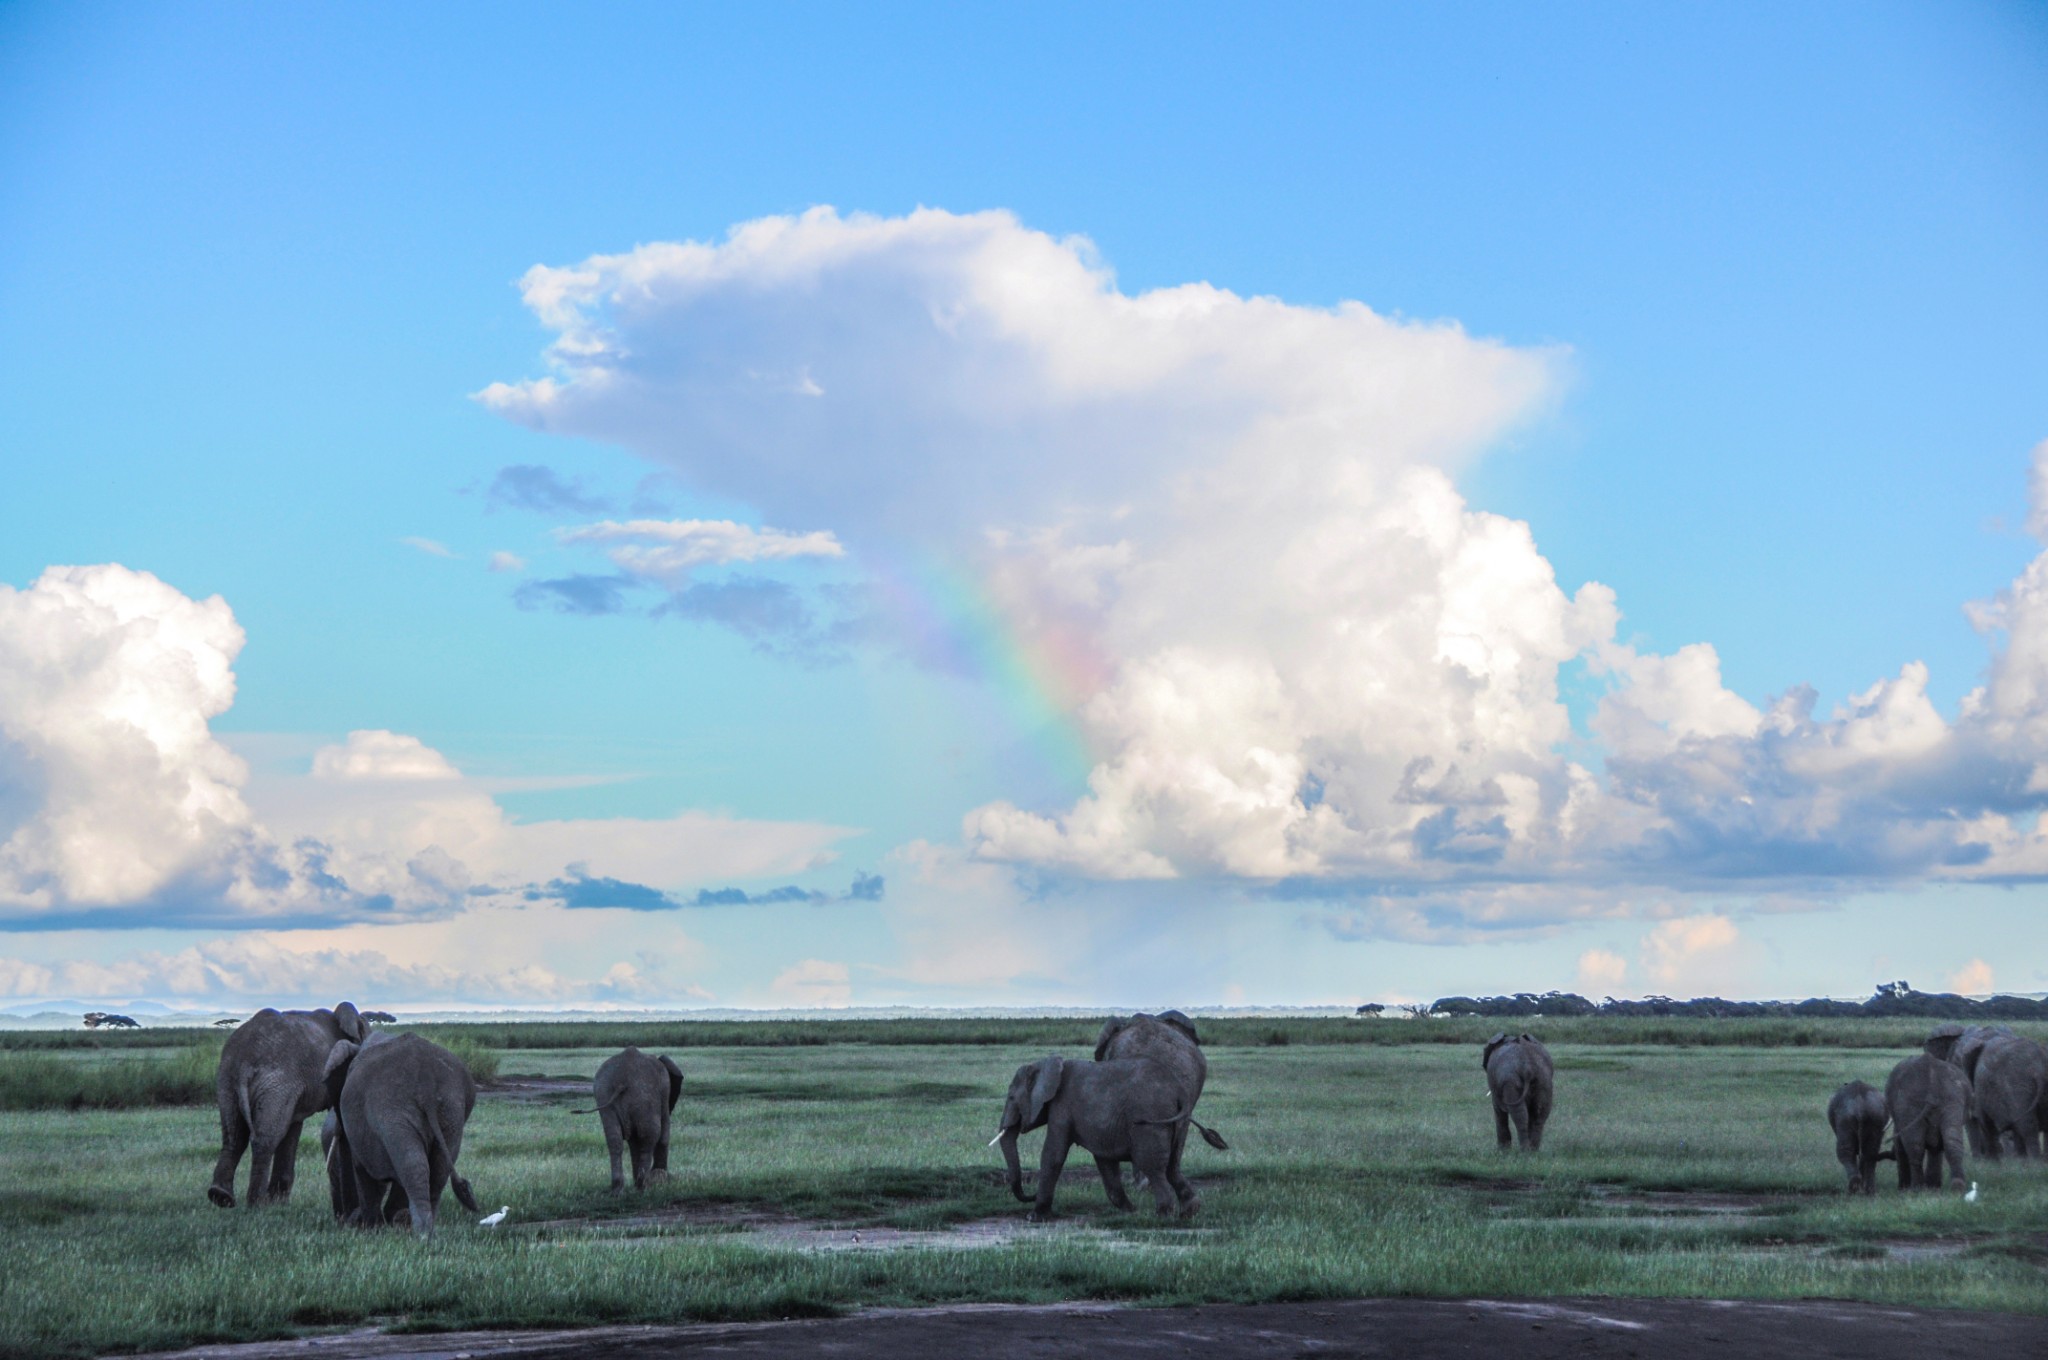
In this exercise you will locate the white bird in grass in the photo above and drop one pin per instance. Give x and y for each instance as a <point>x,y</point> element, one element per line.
<point>1971,1198</point>
<point>493,1220</point>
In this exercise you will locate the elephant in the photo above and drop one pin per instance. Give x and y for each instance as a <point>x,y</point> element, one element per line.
<point>1519,1081</point>
<point>1123,1110</point>
<point>1963,1045</point>
<point>271,1079</point>
<point>1929,1101</point>
<point>636,1096</point>
<point>1858,1115</point>
<point>1169,1042</point>
<point>2011,1088</point>
<point>404,1102</point>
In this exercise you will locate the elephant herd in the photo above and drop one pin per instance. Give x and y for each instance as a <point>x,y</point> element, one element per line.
<point>1973,1091</point>
<point>396,1106</point>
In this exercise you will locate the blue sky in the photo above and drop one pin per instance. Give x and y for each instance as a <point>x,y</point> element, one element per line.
<point>1748,305</point>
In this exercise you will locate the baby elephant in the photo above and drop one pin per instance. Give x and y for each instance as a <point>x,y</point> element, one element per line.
<point>1124,1110</point>
<point>636,1095</point>
<point>1518,1077</point>
<point>1857,1114</point>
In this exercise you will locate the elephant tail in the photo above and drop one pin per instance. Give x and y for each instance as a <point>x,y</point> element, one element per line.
<point>600,1107</point>
<point>1209,1135</point>
<point>442,1162</point>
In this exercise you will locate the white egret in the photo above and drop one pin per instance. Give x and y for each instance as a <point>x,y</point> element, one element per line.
<point>493,1220</point>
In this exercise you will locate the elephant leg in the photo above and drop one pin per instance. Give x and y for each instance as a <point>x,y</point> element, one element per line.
<point>1905,1154</point>
<point>1953,1149</point>
<point>1151,1148</point>
<point>234,1141</point>
<point>284,1165</point>
<point>643,1162</point>
<point>415,1177</point>
<point>1539,1115</point>
<point>1113,1182</point>
<point>1052,1158</point>
<point>1503,1137</point>
<point>266,1136</point>
<point>394,1205</point>
<point>2027,1133</point>
<point>615,1145</point>
<point>660,1171</point>
<point>1519,1112</point>
<point>370,1210</point>
<point>1190,1201</point>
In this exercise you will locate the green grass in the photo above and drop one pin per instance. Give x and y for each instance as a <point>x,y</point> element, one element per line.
<point>1356,1169</point>
<point>73,1080</point>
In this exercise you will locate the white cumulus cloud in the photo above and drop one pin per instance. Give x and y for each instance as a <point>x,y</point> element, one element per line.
<point>119,806</point>
<point>1231,527</point>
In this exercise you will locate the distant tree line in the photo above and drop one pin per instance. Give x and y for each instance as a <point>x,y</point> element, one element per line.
<point>1891,998</point>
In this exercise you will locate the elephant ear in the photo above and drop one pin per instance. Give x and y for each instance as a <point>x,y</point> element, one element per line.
<point>1110,1029</point>
<point>1491,1044</point>
<point>1181,1023</point>
<point>336,1072</point>
<point>349,1021</point>
<point>1052,1069</point>
<point>675,1081</point>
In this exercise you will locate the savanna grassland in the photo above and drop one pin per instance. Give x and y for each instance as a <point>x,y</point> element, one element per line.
<point>1684,1158</point>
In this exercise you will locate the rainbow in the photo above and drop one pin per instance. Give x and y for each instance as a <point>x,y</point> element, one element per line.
<point>1036,674</point>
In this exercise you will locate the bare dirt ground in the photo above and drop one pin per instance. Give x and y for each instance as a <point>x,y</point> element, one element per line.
<point>1410,1329</point>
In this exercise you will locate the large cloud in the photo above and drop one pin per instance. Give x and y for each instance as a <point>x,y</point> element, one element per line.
<point>119,806</point>
<point>1298,655</point>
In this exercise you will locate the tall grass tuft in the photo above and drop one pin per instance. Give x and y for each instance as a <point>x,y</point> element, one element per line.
<point>476,1054</point>
<point>46,1081</point>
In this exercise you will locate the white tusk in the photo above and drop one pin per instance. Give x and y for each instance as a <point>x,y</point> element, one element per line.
<point>998,1138</point>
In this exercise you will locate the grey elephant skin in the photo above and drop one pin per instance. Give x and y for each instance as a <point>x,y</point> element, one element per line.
<point>1125,1110</point>
<point>2011,1087</point>
<point>1961,1046</point>
<point>1169,1042</point>
<point>342,1192</point>
<point>271,1079</point>
<point>1520,1080</point>
<point>636,1098</point>
<point>404,1102</point>
<point>1929,1102</point>
<point>1858,1115</point>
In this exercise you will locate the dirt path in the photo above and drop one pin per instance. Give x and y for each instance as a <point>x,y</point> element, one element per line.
<point>1399,1329</point>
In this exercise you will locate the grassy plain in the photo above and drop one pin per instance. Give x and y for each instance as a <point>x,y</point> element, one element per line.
<point>1361,1164</point>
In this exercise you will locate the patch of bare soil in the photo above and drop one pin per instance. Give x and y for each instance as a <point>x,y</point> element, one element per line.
<point>1398,1329</point>
<point>530,1087</point>
<point>787,1232</point>
<point>1533,1200</point>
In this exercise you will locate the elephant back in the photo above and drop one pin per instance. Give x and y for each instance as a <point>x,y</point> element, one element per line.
<point>1167,1040</point>
<point>410,1071</point>
<point>284,1053</point>
<point>640,1087</point>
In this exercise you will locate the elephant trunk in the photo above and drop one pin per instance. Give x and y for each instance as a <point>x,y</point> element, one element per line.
<point>1008,1140</point>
